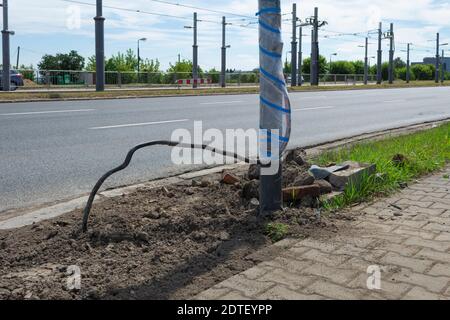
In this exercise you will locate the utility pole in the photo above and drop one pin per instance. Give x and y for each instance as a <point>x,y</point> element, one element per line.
<point>408,64</point>
<point>315,50</point>
<point>380,55</point>
<point>300,56</point>
<point>442,67</point>
<point>366,62</point>
<point>100,47</point>
<point>437,59</point>
<point>224,55</point>
<point>294,46</point>
<point>139,58</point>
<point>6,80</point>
<point>391,54</point>
<point>18,57</point>
<point>195,54</point>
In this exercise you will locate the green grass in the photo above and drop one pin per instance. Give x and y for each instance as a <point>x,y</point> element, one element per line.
<point>425,152</point>
<point>277,231</point>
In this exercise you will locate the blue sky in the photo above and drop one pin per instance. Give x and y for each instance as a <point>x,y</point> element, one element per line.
<point>53,26</point>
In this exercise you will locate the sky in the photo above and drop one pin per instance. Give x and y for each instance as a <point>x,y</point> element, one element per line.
<point>58,26</point>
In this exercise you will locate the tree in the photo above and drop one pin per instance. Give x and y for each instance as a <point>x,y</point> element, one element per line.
<point>358,67</point>
<point>423,71</point>
<point>323,65</point>
<point>125,62</point>
<point>183,66</point>
<point>61,61</point>
<point>399,63</point>
<point>342,67</point>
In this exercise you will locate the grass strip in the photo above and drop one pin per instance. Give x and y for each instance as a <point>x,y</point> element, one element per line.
<point>399,160</point>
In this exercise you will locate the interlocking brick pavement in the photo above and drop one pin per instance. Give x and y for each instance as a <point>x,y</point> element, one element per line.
<point>406,236</point>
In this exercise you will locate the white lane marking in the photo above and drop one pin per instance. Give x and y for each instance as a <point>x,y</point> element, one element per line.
<point>318,97</point>
<point>45,112</point>
<point>221,102</point>
<point>317,108</point>
<point>395,101</point>
<point>138,124</point>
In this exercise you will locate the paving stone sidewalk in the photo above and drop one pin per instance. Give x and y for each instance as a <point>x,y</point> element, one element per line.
<point>407,236</point>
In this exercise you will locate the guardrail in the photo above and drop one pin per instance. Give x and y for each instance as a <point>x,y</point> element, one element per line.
<point>79,79</point>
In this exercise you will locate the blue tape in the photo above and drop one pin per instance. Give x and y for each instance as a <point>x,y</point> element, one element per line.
<point>272,77</point>
<point>269,28</point>
<point>270,53</point>
<point>268,10</point>
<point>274,106</point>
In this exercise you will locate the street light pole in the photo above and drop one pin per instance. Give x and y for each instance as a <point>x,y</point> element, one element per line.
<point>100,47</point>
<point>224,55</point>
<point>391,54</point>
<point>300,57</point>
<point>437,59</point>
<point>366,62</point>
<point>408,64</point>
<point>195,54</point>
<point>442,67</point>
<point>6,50</point>
<point>331,55</point>
<point>18,57</point>
<point>139,57</point>
<point>379,55</point>
<point>294,46</point>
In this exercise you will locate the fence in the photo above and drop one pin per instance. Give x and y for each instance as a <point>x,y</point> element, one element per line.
<point>79,79</point>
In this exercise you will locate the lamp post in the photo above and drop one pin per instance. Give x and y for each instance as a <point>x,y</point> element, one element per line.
<point>6,33</point>
<point>139,56</point>
<point>194,52</point>
<point>331,57</point>
<point>442,63</point>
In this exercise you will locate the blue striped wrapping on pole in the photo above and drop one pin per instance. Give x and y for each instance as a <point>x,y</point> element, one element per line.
<point>275,108</point>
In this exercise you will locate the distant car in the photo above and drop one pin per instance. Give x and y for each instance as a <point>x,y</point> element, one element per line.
<point>16,80</point>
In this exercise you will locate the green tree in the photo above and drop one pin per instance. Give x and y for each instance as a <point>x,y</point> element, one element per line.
<point>323,65</point>
<point>62,61</point>
<point>358,66</point>
<point>342,67</point>
<point>399,63</point>
<point>423,71</point>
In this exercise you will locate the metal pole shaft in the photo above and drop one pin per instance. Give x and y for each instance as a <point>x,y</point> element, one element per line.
<point>273,89</point>
<point>366,62</point>
<point>6,79</point>
<point>391,55</point>
<point>224,55</point>
<point>315,58</point>
<point>300,57</point>
<point>437,58</point>
<point>18,57</point>
<point>100,47</point>
<point>139,61</point>
<point>408,65</point>
<point>195,54</point>
<point>379,55</point>
<point>294,46</point>
<point>442,67</point>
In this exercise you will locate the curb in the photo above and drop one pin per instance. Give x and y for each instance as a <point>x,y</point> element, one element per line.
<point>32,215</point>
<point>321,89</point>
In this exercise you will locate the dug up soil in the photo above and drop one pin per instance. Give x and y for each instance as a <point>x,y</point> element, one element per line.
<point>163,243</point>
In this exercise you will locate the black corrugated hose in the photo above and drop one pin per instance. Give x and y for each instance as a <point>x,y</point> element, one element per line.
<point>127,161</point>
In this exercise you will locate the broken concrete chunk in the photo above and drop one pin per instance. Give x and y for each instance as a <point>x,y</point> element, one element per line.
<point>325,186</point>
<point>293,194</point>
<point>304,179</point>
<point>354,175</point>
<point>298,156</point>
<point>229,178</point>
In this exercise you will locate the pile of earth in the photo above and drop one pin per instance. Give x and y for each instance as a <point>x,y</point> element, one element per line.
<point>164,243</point>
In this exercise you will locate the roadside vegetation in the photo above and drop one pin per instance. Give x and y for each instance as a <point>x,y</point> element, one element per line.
<point>399,161</point>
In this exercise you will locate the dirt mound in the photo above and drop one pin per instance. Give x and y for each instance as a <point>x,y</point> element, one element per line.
<point>167,243</point>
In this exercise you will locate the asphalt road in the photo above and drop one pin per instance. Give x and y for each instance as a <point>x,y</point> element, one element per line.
<point>56,150</point>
